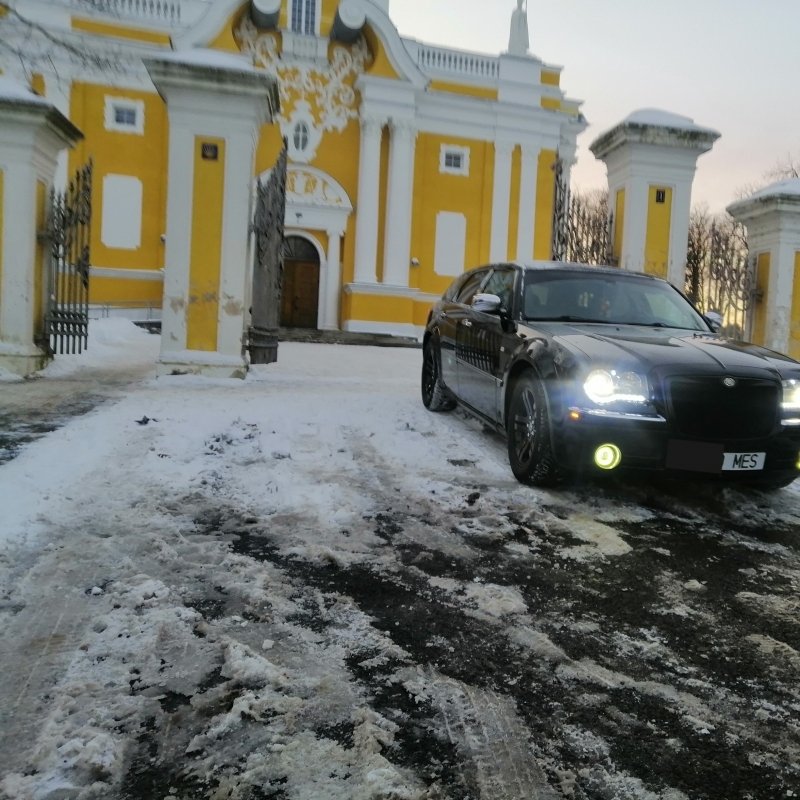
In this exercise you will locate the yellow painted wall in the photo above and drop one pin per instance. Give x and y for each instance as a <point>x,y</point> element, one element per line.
<point>435,192</point>
<point>381,66</point>
<point>382,195</point>
<point>206,247</point>
<point>40,263</point>
<point>513,208</point>
<point>619,224</point>
<point>120,31</point>
<point>762,289</point>
<point>545,199</point>
<point>368,307</point>
<point>225,39</point>
<point>551,78</point>
<point>481,92</point>
<point>656,249</point>
<point>144,157</point>
<point>122,292</point>
<point>794,332</point>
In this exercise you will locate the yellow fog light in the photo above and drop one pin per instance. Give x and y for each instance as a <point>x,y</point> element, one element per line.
<point>608,456</point>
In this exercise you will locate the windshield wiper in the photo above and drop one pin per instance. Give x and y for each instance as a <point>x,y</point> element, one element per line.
<point>563,318</point>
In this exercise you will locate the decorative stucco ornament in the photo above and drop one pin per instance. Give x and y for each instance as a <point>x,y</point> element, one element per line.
<point>317,98</point>
<point>519,39</point>
<point>306,186</point>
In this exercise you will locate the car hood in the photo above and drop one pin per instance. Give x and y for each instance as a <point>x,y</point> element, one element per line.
<point>648,348</point>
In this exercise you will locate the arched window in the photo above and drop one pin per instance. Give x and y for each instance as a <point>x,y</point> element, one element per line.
<point>304,16</point>
<point>300,137</point>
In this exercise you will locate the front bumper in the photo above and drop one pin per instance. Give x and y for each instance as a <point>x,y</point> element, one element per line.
<point>650,443</point>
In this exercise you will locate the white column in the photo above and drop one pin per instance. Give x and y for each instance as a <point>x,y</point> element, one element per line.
<point>397,250</point>
<point>679,232</point>
<point>330,315</point>
<point>501,200</point>
<point>368,199</point>
<point>637,195</point>
<point>527,202</point>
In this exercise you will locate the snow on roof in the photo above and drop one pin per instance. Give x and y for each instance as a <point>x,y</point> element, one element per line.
<point>13,90</point>
<point>791,186</point>
<point>215,59</point>
<point>663,119</point>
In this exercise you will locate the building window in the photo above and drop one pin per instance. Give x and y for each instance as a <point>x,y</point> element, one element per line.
<point>454,160</point>
<point>124,116</point>
<point>304,16</point>
<point>301,137</point>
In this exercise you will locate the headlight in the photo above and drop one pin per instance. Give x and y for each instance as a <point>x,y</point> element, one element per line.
<point>791,395</point>
<point>609,386</point>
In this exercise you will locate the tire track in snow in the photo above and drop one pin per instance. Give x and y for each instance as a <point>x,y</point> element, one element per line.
<point>485,727</point>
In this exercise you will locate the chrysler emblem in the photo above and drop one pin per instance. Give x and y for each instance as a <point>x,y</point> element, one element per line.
<point>729,383</point>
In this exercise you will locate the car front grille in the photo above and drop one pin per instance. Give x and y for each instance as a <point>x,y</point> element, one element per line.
<point>707,409</point>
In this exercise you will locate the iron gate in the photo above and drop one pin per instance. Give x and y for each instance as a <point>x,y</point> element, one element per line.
<point>66,317</point>
<point>582,230</point>
<point>267,229</point>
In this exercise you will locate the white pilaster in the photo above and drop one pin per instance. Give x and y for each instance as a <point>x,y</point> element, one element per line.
<point>772,217</point>
<point>368,199</point>
<point>397,251</point>
<point>652,148</point>
<point>501,201</point>
<point>635,233</point>
<point>32,133</point>
<point>527,202</point>
<point>333,277</point>
<point>228,101</point>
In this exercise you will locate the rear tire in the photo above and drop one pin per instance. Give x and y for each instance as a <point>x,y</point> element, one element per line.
<point>530,450</point>
<point>434,394</point>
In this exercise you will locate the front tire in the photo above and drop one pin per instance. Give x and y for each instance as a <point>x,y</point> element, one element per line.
<point>530,450</point>
<point>434,393</point>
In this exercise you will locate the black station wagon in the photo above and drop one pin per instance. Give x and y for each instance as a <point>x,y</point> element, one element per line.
<point>588,369</point>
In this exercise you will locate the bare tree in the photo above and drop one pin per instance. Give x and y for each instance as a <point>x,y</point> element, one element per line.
<point>589,227</point>
<point>719,274</point>
<point>29,46</point>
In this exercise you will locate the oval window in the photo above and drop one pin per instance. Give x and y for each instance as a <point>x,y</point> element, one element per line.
<point>300,137</point>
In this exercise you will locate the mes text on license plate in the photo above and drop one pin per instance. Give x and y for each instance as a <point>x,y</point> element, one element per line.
<point>743,461</point>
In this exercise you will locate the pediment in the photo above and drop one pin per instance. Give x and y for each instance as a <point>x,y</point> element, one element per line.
<point>308,186</point>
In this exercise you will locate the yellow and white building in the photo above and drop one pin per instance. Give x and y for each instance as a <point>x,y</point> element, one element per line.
<point>407,162</point>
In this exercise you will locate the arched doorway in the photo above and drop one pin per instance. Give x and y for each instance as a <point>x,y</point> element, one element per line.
<point>300,294</point>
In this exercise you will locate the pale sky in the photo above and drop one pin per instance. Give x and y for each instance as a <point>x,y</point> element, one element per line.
<point>731,65</point>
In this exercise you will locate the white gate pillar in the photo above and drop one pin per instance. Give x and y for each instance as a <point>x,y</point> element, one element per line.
<point>216,104</point>
<point>651,158</point>
<point>772,217</point>
<point>32,134</point>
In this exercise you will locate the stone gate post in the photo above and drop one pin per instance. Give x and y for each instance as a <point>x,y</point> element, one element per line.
<point>651,158</point>
<point>216,104</point>
<point>772,218</point>
<point>32,134</point>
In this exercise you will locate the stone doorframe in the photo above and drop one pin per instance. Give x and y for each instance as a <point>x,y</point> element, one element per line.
<point>317,202</point>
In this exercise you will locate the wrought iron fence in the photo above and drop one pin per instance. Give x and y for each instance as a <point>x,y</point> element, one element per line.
<point>66,319</point>
<point>582,230</point>
<point>720,274</point>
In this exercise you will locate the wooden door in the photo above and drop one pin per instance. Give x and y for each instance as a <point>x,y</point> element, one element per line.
<point>300,296</point>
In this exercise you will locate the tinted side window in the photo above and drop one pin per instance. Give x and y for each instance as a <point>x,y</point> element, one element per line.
<point>471,286</point>
<point>501,283</point>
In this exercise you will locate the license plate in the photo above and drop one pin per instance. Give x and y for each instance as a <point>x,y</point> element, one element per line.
<point>743,461</point>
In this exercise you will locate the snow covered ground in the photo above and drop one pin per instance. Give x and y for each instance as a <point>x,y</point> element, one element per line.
<point>303,585</point>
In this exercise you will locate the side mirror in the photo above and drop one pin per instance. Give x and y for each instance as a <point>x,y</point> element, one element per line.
<point>487,303</point>
<point>714,319</point>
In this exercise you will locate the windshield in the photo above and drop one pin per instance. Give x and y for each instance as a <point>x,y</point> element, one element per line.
<point>608,299</point>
